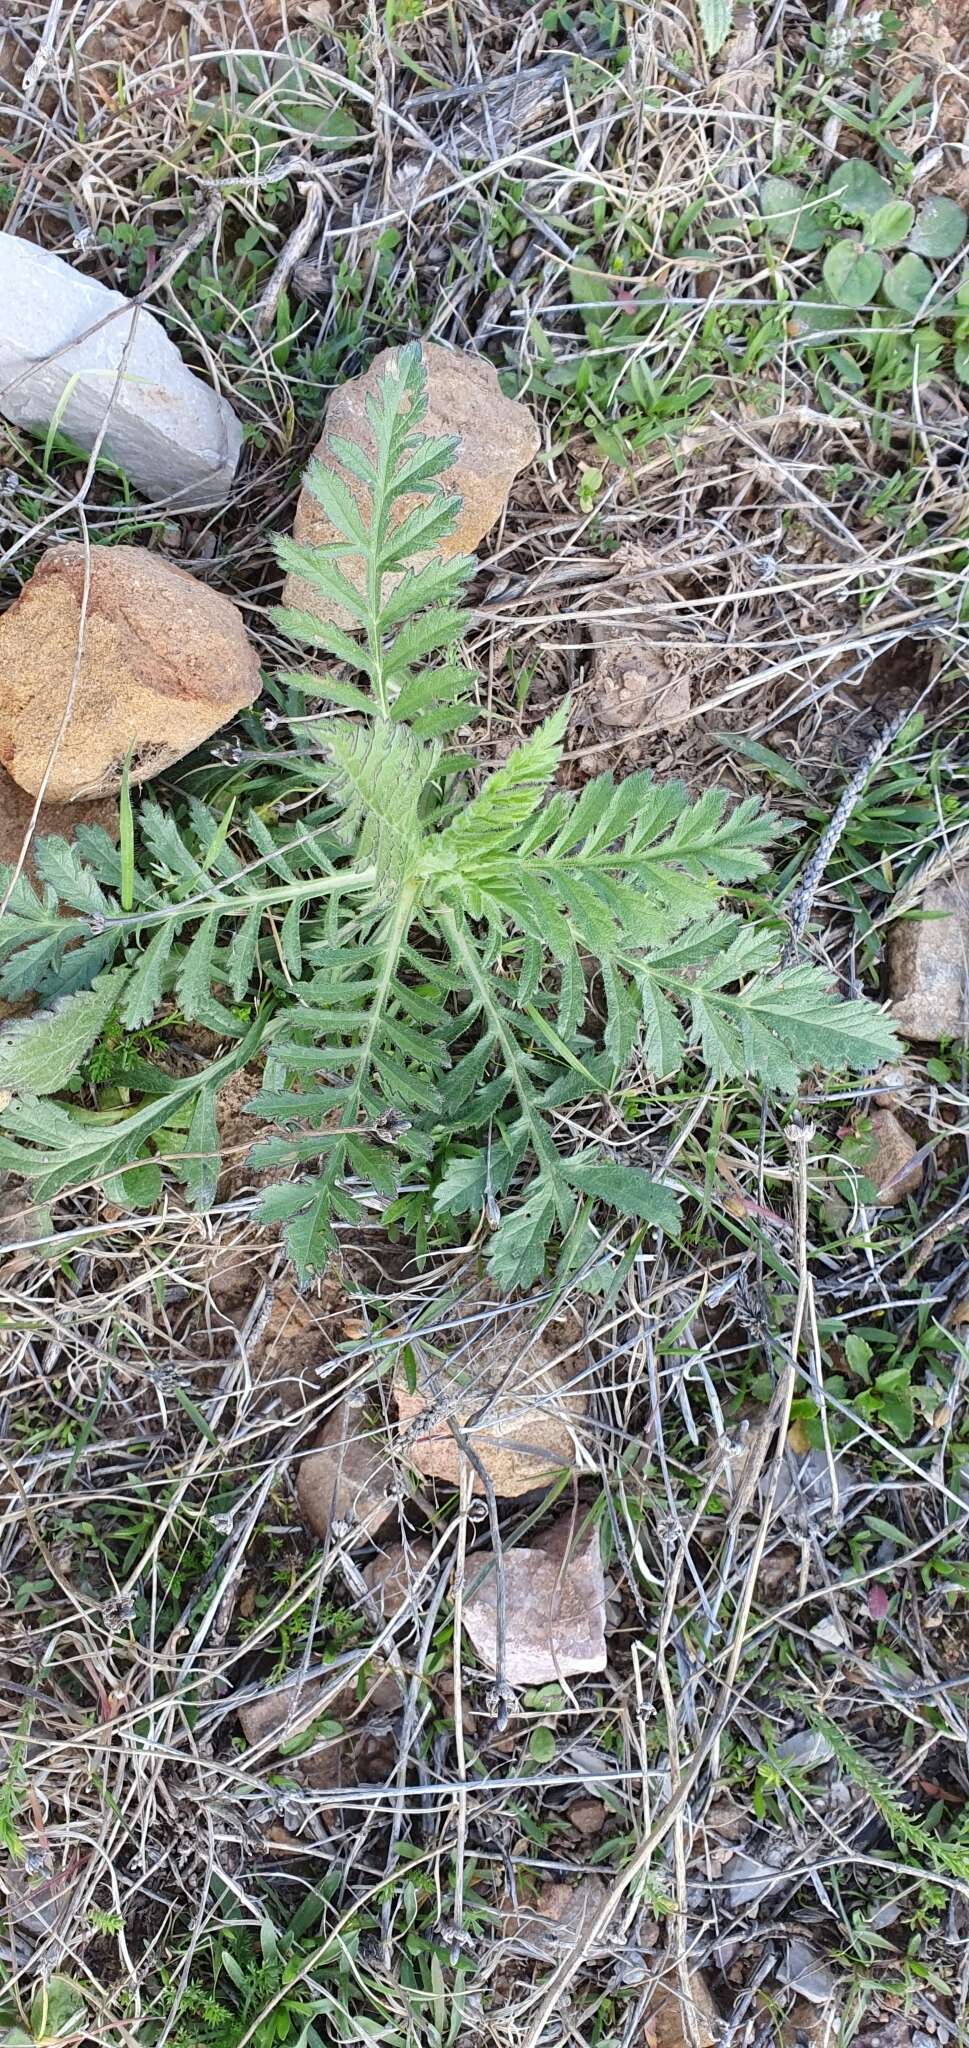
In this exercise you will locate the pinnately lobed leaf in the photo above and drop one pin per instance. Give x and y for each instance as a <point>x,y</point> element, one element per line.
<point>39,1055</point>
<point>716,17</point>
<point>445,974</point>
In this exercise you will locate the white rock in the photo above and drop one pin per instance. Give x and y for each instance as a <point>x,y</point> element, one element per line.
<point>60,332</point>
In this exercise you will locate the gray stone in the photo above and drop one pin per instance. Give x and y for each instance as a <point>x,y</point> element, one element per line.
<point>806,1750</point>
<point>750,1879</point>
<point>929,964</point>
<point>64,333</point>
<point>804,1971</point>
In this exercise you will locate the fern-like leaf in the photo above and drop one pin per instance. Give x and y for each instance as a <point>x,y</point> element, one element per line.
<point>379,775</point>
<point>386,572</point>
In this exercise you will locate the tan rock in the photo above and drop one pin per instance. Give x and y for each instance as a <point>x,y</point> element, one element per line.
<point>892,1086</point>
<point>346,1478</point>
<point>522,1388</point>
<point>284,1713</point>
<point>929,964</point>
<point>807,2025</point>
<point>280,1716</point>
<point>350,1744</point>
<point>392,1575</point>
<point>165,662</point>
<point>893,1165</point>
<point>497,437</point>
<point>665,2024</point>
<point>555,1606</point>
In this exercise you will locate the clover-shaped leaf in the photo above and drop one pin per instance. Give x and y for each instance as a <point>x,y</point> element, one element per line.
<point>907,284</point>
<point>852,274</point>
<point>859,189</point>
<point>889,225</point>
<point>790,214</point>
<point>939,230</point>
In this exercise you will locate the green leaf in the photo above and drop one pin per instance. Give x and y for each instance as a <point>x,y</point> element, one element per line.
<point>146,980</point>
<point>541,1745</point>
<point>858,1354</point>
<point>663,1046</point>
<point>716,17</point>
<point>141,1184</point>
<point>891,1395</point>
<point>592,293</point>
<point>195,973</point>
<point>852,274</point>
<point>199,1164</point>
<point>516,1255</point>
<point>507,799</point>
<point>817,320</point>
<point>907,284</point>
<point>627,1189</point>
<point>304,1209</point>
<point>40,1054</point>
<point>56,2009</point>
<point>55,1149</point>
<point>790,216</point>
<point>378,775</point>
<point>859,189</point>
<point>889,224</point>
<point>939,230</point>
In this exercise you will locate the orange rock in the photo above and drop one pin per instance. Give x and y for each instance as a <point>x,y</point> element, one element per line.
<point>665,2024</point>
<point>522,1389</point>
<point>496,438</point>
<point>587,1816</point>
<point>165,662</point>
